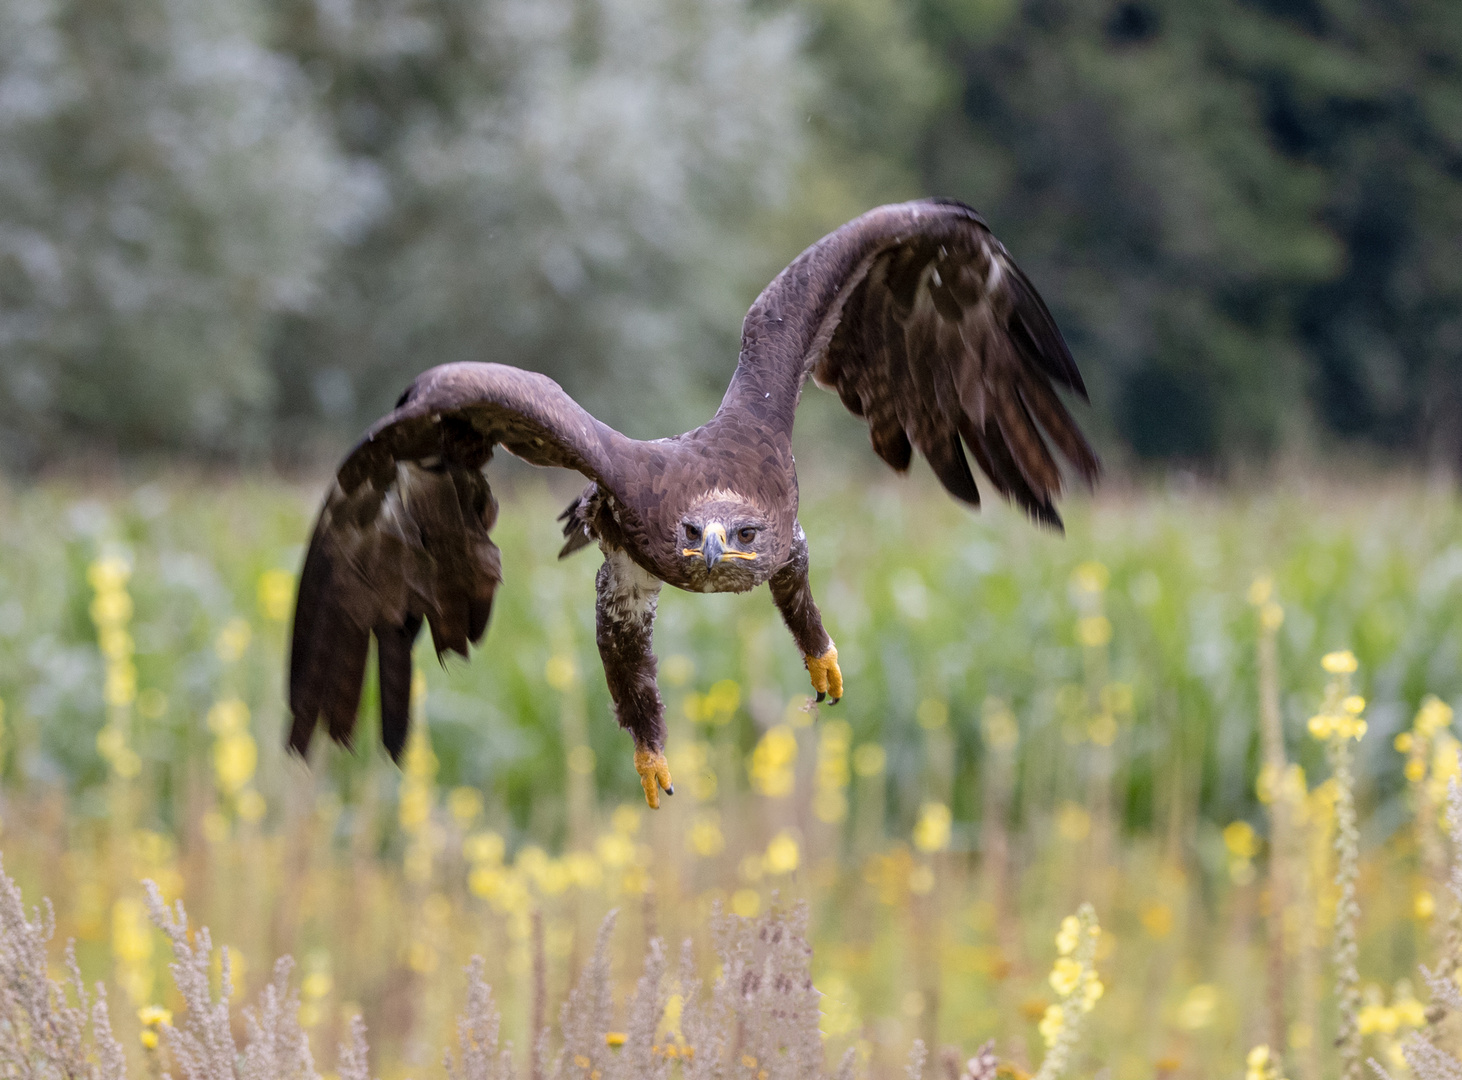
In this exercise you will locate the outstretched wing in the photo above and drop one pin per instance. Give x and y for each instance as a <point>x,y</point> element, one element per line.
<point>403,536</point>
<point>920,320</point>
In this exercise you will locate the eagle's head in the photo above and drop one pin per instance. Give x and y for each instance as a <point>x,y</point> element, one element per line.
<point>726,543</point>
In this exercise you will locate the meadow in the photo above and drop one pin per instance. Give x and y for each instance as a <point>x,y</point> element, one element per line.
<point>1149,714</point>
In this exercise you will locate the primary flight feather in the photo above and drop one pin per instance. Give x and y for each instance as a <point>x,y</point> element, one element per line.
<point>914,314</point>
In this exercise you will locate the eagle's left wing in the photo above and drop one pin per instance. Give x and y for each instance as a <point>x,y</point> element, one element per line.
<point>403,536</point>
<point>922,323</point>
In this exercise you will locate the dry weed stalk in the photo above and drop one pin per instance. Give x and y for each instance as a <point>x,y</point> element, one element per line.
<point>477,1034</point>
<point>1276,791</point>
<point>1074,977</point>
<point>1424,1057</point>
<point>203,1046</point>
<point>43,1035</point>
<point>1339,725</point>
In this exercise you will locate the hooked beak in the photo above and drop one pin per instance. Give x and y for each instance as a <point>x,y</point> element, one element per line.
<point>715,543</point>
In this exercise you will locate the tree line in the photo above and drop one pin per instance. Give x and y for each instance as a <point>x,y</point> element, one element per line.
<point>235,228</point>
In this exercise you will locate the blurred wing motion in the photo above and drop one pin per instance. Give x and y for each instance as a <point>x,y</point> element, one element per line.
<point>403,536</point>
<point>920,320</point>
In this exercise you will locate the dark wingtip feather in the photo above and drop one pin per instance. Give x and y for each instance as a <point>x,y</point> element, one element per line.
<point>953,469</point>
<point>893,446</point>
<point>479,614</point>
<point>1046,408</point>
<point>393,656</point>
<point>1000,466</point>
<point>1046,515</point>
<point>1035,332</point>
<point>340,700</point>
<point>301,730</point>
<point>577,542</point>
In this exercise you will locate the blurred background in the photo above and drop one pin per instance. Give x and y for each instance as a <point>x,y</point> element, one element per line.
<point>234,229</point>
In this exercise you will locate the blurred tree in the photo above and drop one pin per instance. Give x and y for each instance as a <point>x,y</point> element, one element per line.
<point>1120,151</point>
<point>567,184</point>
<point>164,189</point>
<point>226,223</point>
<point>1240,209</point>
<point>1370,94</point>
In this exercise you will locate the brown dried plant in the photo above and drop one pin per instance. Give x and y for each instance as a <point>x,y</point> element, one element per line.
<point>759,1018</point>
<point>42,1034</point>
<point>1425,1056</point>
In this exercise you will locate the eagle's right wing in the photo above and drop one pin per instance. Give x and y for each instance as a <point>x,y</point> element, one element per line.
<point>922,323</point>
<point>403,536</point>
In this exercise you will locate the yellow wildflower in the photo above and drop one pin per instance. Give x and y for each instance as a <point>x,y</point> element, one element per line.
<point>275,594</point>
<point>746,903</point>
<point>1090,577</point>
<point>1258,1063</point>
<point>869,759</point>
<point>1434,715</point>
<point>234,759</point>
<point>1069,935</point>
<point>232,641</point>
<point>932,831</point>
<point>1065,975</point>
<point>782,854</point>
<point>772,762</point>
<point>704,837</point>
<point>1093,631</point>
<point>561,672</point>
<point>1240,839</point>
<point>1051,1024</point>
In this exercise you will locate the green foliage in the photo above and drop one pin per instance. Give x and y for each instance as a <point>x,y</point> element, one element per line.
<point>166,189</point>
<point>564,182</point>
<point>233,227</point>
<point>925,603</point>
<point>1235,208</point>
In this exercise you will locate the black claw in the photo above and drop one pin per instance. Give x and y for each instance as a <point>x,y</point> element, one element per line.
<point>835,700</point>
<point>821,695</point>
<point>670,790</point>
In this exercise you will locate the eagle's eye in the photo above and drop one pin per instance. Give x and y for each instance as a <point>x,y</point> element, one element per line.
<point>692,532</point>
<point>746,534</point>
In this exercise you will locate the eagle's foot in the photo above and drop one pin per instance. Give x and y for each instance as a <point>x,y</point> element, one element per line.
<point>827,677</point>
<point>654,773</point>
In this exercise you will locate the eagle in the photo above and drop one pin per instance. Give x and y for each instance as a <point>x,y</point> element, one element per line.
<point>914,314</point>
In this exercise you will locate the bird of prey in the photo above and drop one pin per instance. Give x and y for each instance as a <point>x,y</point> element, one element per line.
<point>914,314</point>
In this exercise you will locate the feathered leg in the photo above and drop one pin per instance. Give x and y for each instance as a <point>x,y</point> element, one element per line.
<point>793,595</point>
<point>625,622</point>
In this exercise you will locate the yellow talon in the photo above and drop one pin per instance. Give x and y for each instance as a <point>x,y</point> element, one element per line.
<point>827,677</point>
<point>654,773</point>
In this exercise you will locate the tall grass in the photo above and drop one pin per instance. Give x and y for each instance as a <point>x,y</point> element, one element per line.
<point>1031,722</point>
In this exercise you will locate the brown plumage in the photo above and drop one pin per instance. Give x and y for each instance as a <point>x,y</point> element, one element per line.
<point>914,315</point>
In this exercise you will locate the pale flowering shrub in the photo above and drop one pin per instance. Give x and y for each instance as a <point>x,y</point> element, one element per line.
<point>1424,1051</point>
<point>760,1017</point>
<point>42,1034</point>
